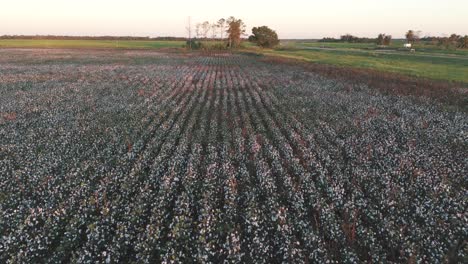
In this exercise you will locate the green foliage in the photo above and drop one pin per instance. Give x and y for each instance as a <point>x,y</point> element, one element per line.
<point>206,45</point>
<point>194,44</point>
<point>348,38</point>
<point>264,37</point>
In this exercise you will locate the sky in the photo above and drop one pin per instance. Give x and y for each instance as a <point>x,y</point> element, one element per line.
<point>290,18</point>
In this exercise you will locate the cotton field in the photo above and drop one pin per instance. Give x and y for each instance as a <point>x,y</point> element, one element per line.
<point>146,157</point>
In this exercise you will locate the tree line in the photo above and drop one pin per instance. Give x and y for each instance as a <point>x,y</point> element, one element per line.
<point>453,41</point>
<point>348,38</point>
<point>58,37</point>
<point>382,39</point>
<point>411,37</point>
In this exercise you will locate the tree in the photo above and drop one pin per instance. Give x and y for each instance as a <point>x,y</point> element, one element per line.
<point>214,29</point>
<point>198,30</point>
<point>205,27</point>
<point>264,37</point>
<point>463,42</point>
<point>409,36</point>
<point>380,39</point>
<point>222,27</point>
<point>454,39</point>
<point>189,32</point>
<point>387,40</point>
<point>236,28</point>
<point>412,36</point>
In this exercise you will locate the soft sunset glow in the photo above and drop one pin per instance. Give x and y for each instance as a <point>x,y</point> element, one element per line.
<point>292,19</point>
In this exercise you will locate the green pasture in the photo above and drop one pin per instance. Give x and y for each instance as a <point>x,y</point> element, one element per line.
<point>427,62</point>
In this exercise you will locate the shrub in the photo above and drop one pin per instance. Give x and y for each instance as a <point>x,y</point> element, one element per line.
<point>194,44</point>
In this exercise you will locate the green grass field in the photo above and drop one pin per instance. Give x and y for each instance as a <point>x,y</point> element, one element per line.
<point>127,44</point>
<point>428,61</point>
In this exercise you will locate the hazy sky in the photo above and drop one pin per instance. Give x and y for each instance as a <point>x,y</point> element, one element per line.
<point>290,18</point>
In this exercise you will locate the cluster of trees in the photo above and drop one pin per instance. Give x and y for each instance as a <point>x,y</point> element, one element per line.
<point>211,30</point>
<point>384,40</point>
<point>348,38</point>
<point>453,41</point>
<point>353,39</point>
<point>232,29</point>
<point>411,36</point>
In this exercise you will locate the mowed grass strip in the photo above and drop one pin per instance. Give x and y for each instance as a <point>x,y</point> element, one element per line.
<point>103,44</point>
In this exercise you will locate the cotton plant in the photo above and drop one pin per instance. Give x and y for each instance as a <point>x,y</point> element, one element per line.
<point>152,157</point>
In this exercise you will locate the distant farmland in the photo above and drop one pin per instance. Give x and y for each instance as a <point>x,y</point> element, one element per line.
<point>141,156</point>
<point>103,44</point>
<point>429,61</point>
